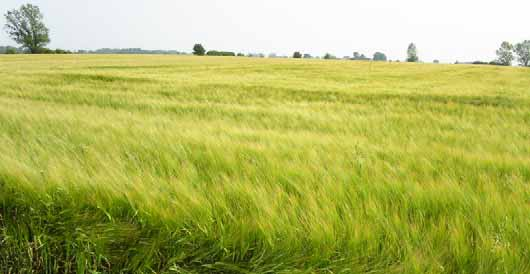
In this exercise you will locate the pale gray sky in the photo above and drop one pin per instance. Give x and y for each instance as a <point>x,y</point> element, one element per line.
<point>448,30</point>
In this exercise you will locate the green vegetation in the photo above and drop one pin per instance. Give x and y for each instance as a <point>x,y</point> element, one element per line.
<point>379,56</point>
<point>220,53</point>
<point>199,50</point>
<point>181,164</point>
<point>522,50</point>
<point>412,53</point>
<point>26,27</point>
<point>505,55</point>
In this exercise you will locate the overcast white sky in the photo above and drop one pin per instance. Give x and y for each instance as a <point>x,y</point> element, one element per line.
<point>448,30</point>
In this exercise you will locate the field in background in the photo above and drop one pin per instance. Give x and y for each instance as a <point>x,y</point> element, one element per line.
<point>234,165</point>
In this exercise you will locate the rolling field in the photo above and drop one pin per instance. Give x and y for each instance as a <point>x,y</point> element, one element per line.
<point>166,164</point>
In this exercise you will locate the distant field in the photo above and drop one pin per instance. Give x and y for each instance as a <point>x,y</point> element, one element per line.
<point>165,164</point>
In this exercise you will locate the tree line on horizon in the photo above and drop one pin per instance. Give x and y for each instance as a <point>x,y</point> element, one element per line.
<point>199,50</point>
<point>26,27</point>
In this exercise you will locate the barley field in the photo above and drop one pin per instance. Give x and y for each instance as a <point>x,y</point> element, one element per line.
<point>180,164</point>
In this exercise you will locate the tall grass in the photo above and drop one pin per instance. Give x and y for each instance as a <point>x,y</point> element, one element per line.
<point>159,164</point>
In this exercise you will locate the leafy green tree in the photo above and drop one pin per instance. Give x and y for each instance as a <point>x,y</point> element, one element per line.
<point>199,50</point>
<point>505,54</point>
<point>307,56</point>
<point>523,53</point>
<point>26,27</point>
<point>329,56</point>
<point>379,56</point>
<point>297,55</point>
<point>412,53</point>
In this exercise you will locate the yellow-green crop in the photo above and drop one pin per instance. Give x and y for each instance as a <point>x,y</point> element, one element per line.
<point>165,164</point>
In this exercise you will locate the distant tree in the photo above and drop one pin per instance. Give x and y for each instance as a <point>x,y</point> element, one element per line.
<point>379,56</point>
<point>412,53</point>
<point>436,61</point>
<point>62,51</point>
<point>505,54</point>
<point>26,27</point>
<point>11,51</point>
<point>359,56</point>
<point>8,50</point>
<point>240,54</point>
<point>522,50</point>
<point>220,53</point>
<point>297,55</point>
<point>45,51</point>
<point>199,50</point>
<point>273,55</point>
<point>307,56</point>
<point>256,55</point>
<point>329,56</point>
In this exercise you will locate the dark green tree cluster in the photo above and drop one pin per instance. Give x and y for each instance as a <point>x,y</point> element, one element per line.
<point>379,56</point>
<point>199,50</point>
<point>507,53</point>
<point>220,53</point>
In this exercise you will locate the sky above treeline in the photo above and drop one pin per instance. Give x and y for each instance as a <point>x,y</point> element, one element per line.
<point>449,30</point>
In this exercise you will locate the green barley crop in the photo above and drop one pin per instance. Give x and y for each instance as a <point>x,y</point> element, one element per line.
<point>165,164</point>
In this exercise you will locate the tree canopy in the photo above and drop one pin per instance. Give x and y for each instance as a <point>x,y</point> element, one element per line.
<point>523,53</point>
<point>379,56</point>
<point>199,50</point>
<point>505,54</point>
<point>26,27</point>
<point>412,53</point>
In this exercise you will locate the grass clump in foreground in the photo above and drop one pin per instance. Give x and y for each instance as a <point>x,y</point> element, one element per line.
<point>232,165</point>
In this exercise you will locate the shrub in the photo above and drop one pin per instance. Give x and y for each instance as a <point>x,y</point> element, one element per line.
<point>220,53</point>
<point>62,51</point>
<point>11,50</point>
